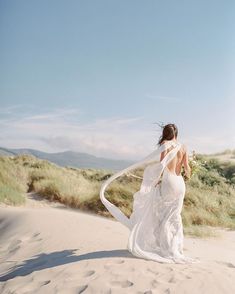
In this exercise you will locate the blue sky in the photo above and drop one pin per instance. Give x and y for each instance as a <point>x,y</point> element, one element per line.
<point>94,76</point>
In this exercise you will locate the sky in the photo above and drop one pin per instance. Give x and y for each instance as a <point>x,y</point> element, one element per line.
<point>98,76</point>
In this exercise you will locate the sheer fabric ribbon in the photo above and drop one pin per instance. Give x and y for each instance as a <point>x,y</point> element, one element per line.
<point>151,175</point>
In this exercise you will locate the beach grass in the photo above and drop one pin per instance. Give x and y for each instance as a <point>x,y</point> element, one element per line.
<point>209,200</point>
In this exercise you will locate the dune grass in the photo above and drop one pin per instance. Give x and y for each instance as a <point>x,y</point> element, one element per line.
<point>209,201</point>
<point>13,182</point>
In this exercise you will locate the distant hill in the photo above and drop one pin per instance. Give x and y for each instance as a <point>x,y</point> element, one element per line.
<point>226,155</point>
<point>71,158</point>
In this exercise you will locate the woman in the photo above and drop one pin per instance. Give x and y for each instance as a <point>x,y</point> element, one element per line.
<point>155,225</point>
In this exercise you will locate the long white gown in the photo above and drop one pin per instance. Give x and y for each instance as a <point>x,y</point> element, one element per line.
<point>156,230</point>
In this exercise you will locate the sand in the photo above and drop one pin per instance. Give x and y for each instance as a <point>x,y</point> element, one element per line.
<point>47,248</point>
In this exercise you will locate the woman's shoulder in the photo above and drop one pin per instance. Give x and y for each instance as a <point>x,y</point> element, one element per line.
<point>184,147</point>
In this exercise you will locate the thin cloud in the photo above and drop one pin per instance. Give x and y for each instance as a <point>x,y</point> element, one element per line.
<point>6,110</point>
<point>115,137</point>
<point>163,98</point>
<point>58,113</point>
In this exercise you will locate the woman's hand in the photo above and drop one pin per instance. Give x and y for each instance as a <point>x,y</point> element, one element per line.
<point>186,165</point>
<point>188,172</point>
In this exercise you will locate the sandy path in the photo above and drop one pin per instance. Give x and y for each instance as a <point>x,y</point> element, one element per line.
<point>46,248</point>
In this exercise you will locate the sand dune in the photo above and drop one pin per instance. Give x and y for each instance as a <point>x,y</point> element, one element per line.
<point>53,249</point>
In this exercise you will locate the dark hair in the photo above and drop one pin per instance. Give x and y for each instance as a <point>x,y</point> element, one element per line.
<point>168,132</point>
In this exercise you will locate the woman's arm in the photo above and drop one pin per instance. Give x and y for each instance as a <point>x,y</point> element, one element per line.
<point>186,165</point>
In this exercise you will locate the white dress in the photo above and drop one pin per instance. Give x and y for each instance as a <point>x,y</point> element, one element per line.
<point>156,230</point>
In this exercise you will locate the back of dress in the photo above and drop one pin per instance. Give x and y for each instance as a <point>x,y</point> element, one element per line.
<point>175,165</point>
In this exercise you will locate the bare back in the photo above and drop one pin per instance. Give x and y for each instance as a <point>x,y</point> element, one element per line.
<point>180,159</point>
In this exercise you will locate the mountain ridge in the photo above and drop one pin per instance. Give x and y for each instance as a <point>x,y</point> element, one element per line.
<point>70,158</point>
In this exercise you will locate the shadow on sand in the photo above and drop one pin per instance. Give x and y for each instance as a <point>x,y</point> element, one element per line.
<point>44,261</point>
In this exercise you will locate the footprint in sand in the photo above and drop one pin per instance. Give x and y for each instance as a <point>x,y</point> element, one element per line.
<point>33,286</point>
<point>14,246</point>
<point>88,273</point>
<point>36,234</point>
<point>228,264</point>
<point>188,277</point>
<point>31,238</point>
<point>178,277</point>
<point>152,272</point>
<point>172,280</point>
<point>82,288</point>
<point>122,284</point>
<point>118,261</point>
<point>35,237</point>
<point>113,262</point>
<point>44,283</point>
<point>154,283</point>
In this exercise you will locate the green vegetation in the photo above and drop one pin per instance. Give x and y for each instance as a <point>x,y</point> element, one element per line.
<point>13,182</point>
<point>227,155</point>
<point>210,196</point>
<point>209,201</point>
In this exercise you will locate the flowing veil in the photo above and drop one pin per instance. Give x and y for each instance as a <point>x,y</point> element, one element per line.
<point>151,176</point>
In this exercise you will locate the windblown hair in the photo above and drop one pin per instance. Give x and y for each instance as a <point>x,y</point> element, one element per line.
<point>168,132</point>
